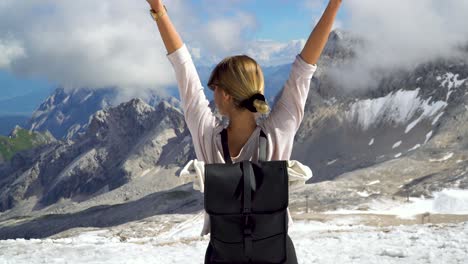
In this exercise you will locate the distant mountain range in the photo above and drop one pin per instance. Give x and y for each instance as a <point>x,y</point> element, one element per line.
<point>404,137</point>
<point>64,112</point>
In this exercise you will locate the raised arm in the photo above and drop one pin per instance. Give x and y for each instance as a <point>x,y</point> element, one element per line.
<point>197,113</point>
<point>169,34</point>
<point>319,36</point>
<point>288,111</point>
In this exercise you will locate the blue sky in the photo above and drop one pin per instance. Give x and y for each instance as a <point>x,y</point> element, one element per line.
<point>115,43</point>
<point>280,20</point>
<point>82,57</point>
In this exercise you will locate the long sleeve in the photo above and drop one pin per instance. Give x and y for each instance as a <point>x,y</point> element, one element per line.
<point>288,110</point>
<point>198,115</point>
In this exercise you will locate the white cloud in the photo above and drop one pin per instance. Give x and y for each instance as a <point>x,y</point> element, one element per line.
<point>116,43</point>
<point>87,43</point>
<point>402,34</point>
<point>271,53</point>
<point>222,37</point>
<point>109,42</point>
<point>10,50</point>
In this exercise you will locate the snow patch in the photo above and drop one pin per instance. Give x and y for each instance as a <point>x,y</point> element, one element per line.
<point>394,253</point>
<point>446,157</point>
<point>437,118</point>
<point>371,142</point>
<point>400,107</point>
<point>448,201</point>
<point>396,145</point>
<point>429,110</point>
<point>373,182</point>
<point>398,155</point>
<point>428,136</point>
<point>451,81</point>
<point>87,97</point>
<point>331,162</point>
<point>415,147</point>
<point>451,202</point>
<point>145,172</point>
<point>363,194</point>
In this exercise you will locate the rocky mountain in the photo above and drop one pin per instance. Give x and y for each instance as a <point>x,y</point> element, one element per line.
<point>129,141</point>
<point>403,137</point>
<point>21,139</point>
<point>66,113</point>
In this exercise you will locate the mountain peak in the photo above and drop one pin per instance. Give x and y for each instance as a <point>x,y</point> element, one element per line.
<point>15,131</point>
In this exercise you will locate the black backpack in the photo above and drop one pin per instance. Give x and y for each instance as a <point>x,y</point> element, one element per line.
<point>247,205</point>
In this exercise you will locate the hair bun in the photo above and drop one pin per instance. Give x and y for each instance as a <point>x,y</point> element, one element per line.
<point>249,103</point>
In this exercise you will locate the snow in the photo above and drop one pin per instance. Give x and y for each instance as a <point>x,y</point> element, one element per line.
<point>331,162</point>
<point>446,157</point>
<point>437,118</point>
<point>87,97</point>
<point>451,202</point>
<point>429,110</point>
<point>66,99</point>
<point>371,142</point>
<point>145,172</point>
<point>398,155</point>
<point>450,81</point>
<point>400,107</point>
<point>363,194</point>
<point>373,182</point>
<point>415,147</point>
<point>448,201</point>
<point>428,136</point>
<point>340,241</point>
<point>397,144</point>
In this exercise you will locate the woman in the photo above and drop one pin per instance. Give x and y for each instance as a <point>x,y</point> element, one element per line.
<point>238,87</point>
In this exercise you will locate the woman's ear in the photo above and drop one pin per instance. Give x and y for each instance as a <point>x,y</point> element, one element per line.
<point>226,96</point>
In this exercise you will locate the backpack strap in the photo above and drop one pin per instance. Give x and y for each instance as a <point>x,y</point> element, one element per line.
<point>224,142</point>
<point>263,142</point>
<point>247,207</point>
<point>263,146</point>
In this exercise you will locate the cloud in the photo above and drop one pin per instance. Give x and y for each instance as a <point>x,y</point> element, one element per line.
<point>86,43</point>
<point>400,34</point>
<point>115,43</point>
<point>223,36</point>
<point>272,53</point>
<point>109,43</point>
<point>10,50</point>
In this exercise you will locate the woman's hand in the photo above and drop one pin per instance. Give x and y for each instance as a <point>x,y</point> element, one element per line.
<point>156,5</point>
<point>319,36</point>
<point>169,34</point>
<point>336,1</point>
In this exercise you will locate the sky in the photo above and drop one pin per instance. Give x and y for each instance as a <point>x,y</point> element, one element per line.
<point>78,44</point>
<point>114,43</point>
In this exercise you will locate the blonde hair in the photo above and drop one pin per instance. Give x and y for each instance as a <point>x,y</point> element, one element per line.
<point>241,77</point>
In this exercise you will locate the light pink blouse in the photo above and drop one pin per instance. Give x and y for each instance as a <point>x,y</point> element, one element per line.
<point>280,126</point>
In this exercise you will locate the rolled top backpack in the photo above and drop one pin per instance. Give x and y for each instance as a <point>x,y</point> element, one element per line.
<point>247,205</point>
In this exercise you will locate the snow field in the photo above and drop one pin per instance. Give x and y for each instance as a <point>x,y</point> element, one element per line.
<point>315,242</point>
<point>444,202</point>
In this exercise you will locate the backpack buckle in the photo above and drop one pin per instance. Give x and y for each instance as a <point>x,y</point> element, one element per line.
<point>248,224</point>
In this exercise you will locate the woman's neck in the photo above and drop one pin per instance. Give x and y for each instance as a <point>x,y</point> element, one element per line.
<point>242,122</point>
